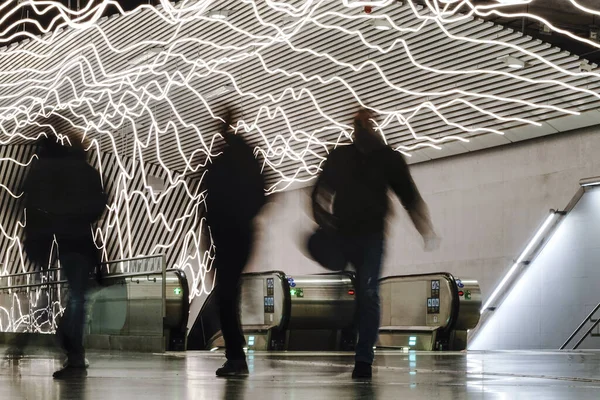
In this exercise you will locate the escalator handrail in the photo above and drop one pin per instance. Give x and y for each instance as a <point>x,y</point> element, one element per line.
<point>185,298</point>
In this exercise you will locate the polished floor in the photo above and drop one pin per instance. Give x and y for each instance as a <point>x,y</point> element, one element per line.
<point>173,376</point>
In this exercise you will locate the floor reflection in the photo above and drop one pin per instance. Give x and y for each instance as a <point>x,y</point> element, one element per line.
<point>365,391</point>
<point>314,376</point>
<point>235,388</point>
<point>73,389</point>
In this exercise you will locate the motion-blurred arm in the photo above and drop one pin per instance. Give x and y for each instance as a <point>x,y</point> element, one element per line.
<point>322,199</point>
<point>403,185</point>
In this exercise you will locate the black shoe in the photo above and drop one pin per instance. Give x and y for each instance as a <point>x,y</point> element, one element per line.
<point>71,372</point>
<point>362,370</point>
<point>233,368</point>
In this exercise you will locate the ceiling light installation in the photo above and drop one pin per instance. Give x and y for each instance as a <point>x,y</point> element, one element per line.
<point>218,91</point>
<point>145,57</point>
<point>222,15</point>
<point>381,24</point>
<point>513,62</point>
<point>290,19</point>
<point>181,53</point>
<point>585,66</point>
<point>515,2</point>
<point>594,33</point>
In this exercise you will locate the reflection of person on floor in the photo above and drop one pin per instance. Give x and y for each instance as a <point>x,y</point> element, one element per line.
<point>350,204</point>
<point>235,195</point>
<point>64,197</point>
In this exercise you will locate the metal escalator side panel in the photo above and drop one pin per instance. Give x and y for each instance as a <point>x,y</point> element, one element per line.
<point>417,310</point>
<point>322,302</point>
<point>412,301</point>
<point>263,300</point>
<point>133,306</point>
<point>468,315</point>
<point>253,287</point>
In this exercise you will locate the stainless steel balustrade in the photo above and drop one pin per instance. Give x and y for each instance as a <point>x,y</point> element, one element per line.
<point>147,303</point>
<point>316,312</point>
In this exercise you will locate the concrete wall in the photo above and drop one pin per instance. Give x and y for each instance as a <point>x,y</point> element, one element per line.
<point>485,205</point>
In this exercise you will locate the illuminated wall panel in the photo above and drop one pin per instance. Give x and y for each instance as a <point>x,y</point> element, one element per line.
<point>558,290</point>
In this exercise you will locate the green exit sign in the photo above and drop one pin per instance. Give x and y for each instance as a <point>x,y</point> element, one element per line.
<point>177,291</point>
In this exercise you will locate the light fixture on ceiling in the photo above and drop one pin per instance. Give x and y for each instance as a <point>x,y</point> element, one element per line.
<point>585,66</point>
<point>381,24</point>
<point>156,184</point>
<point>514,1</point>
<point>513,62</point>
<point>219,14</point>
<point>545,29</point>
<point>290,19</point>
<point>145,56</point>
<point>594,33</point>
<point>218,91</point>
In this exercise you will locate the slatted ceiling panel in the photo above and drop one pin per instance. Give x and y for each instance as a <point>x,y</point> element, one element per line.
<point>434,52</point>
<point>147,236</point>
<point>12,175</point>
<point>479,60</point>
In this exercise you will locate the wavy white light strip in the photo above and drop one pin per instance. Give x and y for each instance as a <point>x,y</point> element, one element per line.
<point>78,80</point>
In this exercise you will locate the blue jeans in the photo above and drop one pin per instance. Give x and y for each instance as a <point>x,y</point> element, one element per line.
<point>77,268</point>
<point>365,253</point>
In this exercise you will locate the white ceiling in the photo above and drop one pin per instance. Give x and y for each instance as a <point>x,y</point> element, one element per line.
<point>300,86</point>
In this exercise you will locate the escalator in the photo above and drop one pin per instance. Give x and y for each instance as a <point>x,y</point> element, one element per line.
<point>316,313</point>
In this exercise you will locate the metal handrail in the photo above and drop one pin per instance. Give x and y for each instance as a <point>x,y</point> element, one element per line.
<point>51,286</point>
<point>132,259</point>
<point>32,285</point>
<point>111,276</point>
<point>585,321</point>
<point>586,334</point>
<point>30,273</point>
<point>58,269</point>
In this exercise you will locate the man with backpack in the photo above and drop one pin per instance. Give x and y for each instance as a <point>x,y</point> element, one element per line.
<point>350,204</point>
<point>63,198</point>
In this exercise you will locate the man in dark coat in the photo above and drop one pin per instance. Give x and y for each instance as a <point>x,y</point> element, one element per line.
<point>350,204</point>
<point>235,195</point>
<point>63,198</point>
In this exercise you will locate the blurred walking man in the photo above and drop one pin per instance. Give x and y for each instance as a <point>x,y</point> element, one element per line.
<point>63,198</point>
<point>235,195</point>
<point>350,204</point>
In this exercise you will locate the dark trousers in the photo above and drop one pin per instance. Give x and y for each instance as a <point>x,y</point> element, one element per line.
<point>365,253</point>
<point>232,252</point>
<point>76,268</point>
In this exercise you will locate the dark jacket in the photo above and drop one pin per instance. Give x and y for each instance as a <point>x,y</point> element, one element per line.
<point>358,184</point>
<point>235,187</point>
<point>63,197</point>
